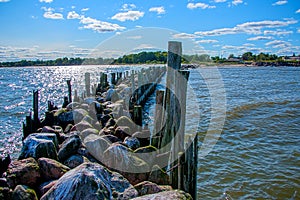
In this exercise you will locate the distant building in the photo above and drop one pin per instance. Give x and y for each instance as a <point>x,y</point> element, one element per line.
<point>291,58</point>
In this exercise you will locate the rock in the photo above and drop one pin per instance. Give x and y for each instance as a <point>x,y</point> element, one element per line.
<point>144,137</point>
<point>111,138</point>
<point>96,145</point>
<point>83,134</point>
<point>147,187</point>
<point>173,194</point>
<point>125,121</point>
<point>69,147</point>
<point>72,105</point>
<point>45,187</point>
<point>48,129</point>
<point>4,162</point>
<point>79,114</point>
<point>104,119</point>
<point>3,182</point>
<point>51,169</point>
<point>64,117</point>
<point>147,153</point>
<point>81,126</point>
<point>91,181</point>
<point>159,176</point>
<point>23,192</point>
<point>122,159</point>
<point>5,193</point>
<point>68,128</point>
<point>132,142</point>
<point>39,145</point>
<point>23,172</point>
<point>110,122</point>
<point>75,160</point>
<point>122,132</point>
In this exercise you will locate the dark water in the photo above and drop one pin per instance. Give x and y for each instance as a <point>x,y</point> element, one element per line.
<point>255,155</point>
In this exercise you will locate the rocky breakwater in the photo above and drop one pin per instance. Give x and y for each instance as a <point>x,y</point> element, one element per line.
<point>91,150</point>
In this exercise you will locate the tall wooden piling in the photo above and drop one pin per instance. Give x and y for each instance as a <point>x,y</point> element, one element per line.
<point>88,84</point>
<point>156,138</point>
<point>138,115</point>
<point>113,78</point>
<point>35,107</point>
<point>69,90</point>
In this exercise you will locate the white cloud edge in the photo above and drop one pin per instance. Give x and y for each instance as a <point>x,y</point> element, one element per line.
<point>159,10</point>
<point>128,15</point>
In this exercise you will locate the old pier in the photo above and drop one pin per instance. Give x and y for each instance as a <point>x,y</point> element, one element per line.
<point>102,129</point>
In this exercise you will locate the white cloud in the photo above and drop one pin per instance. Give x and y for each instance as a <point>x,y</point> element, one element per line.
<point>248,27</point>
<point>298,11</point>
<point>279,3</point>
<point>298,31</point>
<point>46,1</point>
<point>99,26</point>
<point>73,15</point>
<point>184,36</point>
<point>160,10</point>
<point>260,38</point>
<point>236,2</point>
<point>2,1</point>
<point>127,7</point>
<point>129,15</point>
<point>199,5</point>
<point>84,9</point>
<point>277,32</point>
<point>278,44</point>
<point>49,14</point>
<point>219,1</point>
<point>206,41</point>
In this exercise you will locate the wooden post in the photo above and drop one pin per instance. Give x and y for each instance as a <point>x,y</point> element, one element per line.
<point>113,78</point>
<point>69,90</point>
<point>35,107</point>
<point>156,139</point>
<point>138,115</point>
<point>132,82</point>
<point>88,84</point>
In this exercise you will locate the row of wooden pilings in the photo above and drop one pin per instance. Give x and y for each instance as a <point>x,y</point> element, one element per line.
<point>169,119</point>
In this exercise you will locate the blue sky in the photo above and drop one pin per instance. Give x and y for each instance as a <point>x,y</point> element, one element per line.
<point>47,29</point>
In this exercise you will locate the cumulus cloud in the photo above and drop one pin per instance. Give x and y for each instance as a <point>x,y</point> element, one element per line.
<point>84,9</point>
<point>248,27</point>
<point>49,14</point>
<point>4,1</point>
<point>46,1</point>
<point>99,26</point>
<point>278,44</point>
<point>199,5</point>
<point>277,32</point>
<point>260,38</point>
<point>184,36</point>
<point>298,11</point>
<point>236,2</point>
<point>279,3</point>
<point>127,7</point>
<point>298,31</point>
<point>160,10</point>
<point>73,15</point>
<point>129,15</point>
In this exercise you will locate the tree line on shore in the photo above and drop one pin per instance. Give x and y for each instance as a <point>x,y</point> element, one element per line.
<point>160,57</point>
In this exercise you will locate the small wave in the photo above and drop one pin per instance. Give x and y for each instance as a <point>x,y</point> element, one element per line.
<point>238,111</point>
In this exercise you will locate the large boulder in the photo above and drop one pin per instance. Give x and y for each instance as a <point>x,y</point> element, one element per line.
<point>83,134</point>
<point>173,194</point>
<point>46,186</point>
<point>91,181</point>
<point>51,169</point>
<point>23,192</point>
<point>132,142</point>
<point>159,176</point>
<point>69,147</point>
<point>122,159</point>
<point>39,145</point>
<point>96,146</point>
<point>4,162</point>
<point>147,187</point>
<point>75,160</point>
<point>23,172</point>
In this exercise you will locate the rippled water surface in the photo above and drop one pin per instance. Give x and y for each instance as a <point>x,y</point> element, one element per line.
<point>257,154</point>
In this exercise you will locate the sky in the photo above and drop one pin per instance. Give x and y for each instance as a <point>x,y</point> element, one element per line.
<point>48,29</point>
